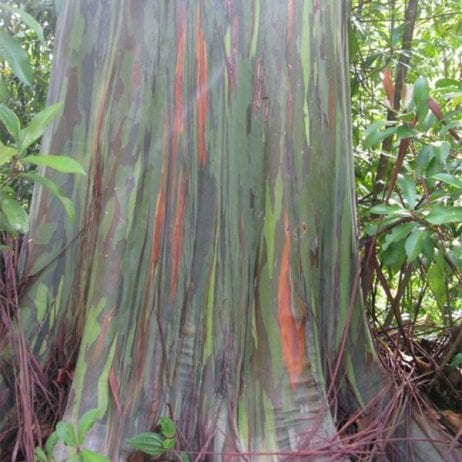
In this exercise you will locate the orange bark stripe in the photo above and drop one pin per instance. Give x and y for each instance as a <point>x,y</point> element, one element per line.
<point>177,236</point>
<point>292,336</point>
<point>201,90</point>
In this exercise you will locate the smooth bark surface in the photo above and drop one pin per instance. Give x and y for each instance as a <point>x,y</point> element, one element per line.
<point>210,273</point>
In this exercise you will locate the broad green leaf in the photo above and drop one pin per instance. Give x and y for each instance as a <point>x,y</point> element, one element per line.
<point>421,91</point>
<point>184,457</point>
<point>393,257</point>
<point>420,96</point>
<point>40,455</point>
<point>55,190</point>
<point>397,33</point>
<point>408,188</point>
<point>443,83</point>
<point>428,249</point>
<point>440,215</point>
<point>414,244</point>
<point>86,422</point>
<point>66,434</point>
<point>5,225</point>
<point>398,233</point>
<point>52,440</point>
<point>26,18</point>
<point>404,131</point>
<point>442,149</point>
<point>150,443</point>
<point>13,53</point>
<point>424,157</point>
<point>92,456</point>
<point>448,179</point>
<point>6,153</point>
<point>377,136</point>
<point>10,120</point>
<point>167,427</point>
<point>15,214</point>
<point>38,125</point>
<point>382,209</point>
<point>63,164</point>
<point>456,361</point>
<point>436,279</point>
<point>169,443</point>
<point>391,211</point>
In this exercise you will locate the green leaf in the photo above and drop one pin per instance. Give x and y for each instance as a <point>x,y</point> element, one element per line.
<point>421,91</point>
<point>26,18</point>
<point>391,211</point>
<point>92,456</point>
<point>150,443</point>
<point>17,59</point>
<point>40,455</point>
<point>63,164</point>
<point>38,125</point>
<point>10,120</point>
<point>436,279</point>
<point>55,190</point>
<point>66,434</point>
<point>397,33</point>
<point>374,135</point>
<point>86,422</point>
<point>420,96</point>
<point>167,427</point>
<point>443,83</point>
<point>456,360</point>
<point>404,131</point>
<point>169,443</point>
<point>15,214</point>
<point>394,256</point>
<point>424,157</point>
<point>442,149</point>
<point>448,179</point>
<point>6,153</point>
<point>414,244</point>
<point>440,215</point>
<point>51,442</point>
<point>184,457</point>
<point>428,250</point>
<point>408,188</point>
<point>398,233</point>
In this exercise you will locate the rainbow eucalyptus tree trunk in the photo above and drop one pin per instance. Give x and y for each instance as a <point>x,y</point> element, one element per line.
<point>210,272</point>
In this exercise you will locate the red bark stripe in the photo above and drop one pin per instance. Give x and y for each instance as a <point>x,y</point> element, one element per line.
<point>201,90</point>
<point>292,336</point>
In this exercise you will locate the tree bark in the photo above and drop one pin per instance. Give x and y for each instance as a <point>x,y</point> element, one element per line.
<point>210,273</point>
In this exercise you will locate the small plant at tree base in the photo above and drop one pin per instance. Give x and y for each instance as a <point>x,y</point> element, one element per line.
<point>73,437</point>
<point>158,444</point>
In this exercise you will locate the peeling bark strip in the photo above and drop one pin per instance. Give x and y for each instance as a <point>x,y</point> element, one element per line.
<point>216,136</point>
<point>292,330</point>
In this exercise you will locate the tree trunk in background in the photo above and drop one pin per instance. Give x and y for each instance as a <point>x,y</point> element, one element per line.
<point>211,270</point>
